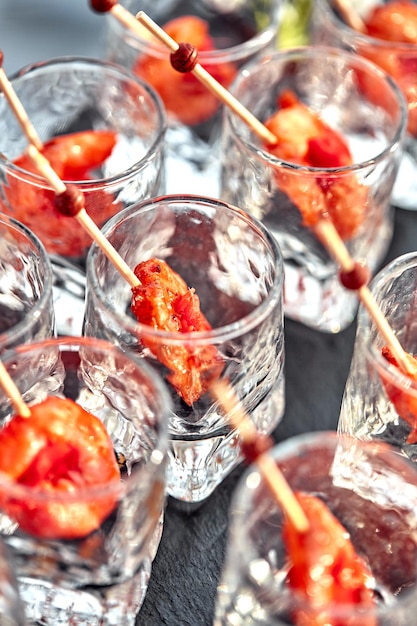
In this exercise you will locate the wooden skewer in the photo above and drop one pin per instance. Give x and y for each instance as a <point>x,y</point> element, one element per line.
<point>12,392</point>
<point>44,167</point>
<point>349,15</point>
<point>280,489</point>
<point>328,235</point>
<point>273,477</point>
<point>269,469</point>
<point>325,228</point>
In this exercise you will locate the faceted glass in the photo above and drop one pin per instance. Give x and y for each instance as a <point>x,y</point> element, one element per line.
<point>369,489</point>
<point>398,59</point>
<point>236,270</point>
<point>62,96</point>
<point>67,95</point>
<point>12,611</point>
<point>100,578</point>
<point>340,88</point>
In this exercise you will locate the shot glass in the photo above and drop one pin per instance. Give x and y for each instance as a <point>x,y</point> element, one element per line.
<point>398,59</point>
<point>235,267</point>
<point>26,296</point>
<point>339,89</point>
<point>65,576</point>
<point>379,401</point>
<point>226,35</point>
<point>371,491</point>
<point>120,166</point>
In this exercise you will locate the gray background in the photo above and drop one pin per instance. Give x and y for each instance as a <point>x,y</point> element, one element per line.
<point>33,30</point>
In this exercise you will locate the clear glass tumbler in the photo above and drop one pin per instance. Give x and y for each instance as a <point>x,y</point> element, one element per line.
<point>70,571</point>
<point>338,88</point>
<point>67,95</point>
<point>227,35</point>
<point>371,490</point>
<point>398,59</point>
<point>26,297</point>
<point>379,401</point>
<point>236,269</point>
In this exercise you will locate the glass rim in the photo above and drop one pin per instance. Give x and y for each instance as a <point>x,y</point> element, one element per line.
<point>362,38</point>
<point>311,442</point>
<point>394,375</point>
<point>236,52</point>
<point>32,69</point>
<point>307,52</point>
<point>12,334</point>
<point>215,335</point>
<point>116,488</point>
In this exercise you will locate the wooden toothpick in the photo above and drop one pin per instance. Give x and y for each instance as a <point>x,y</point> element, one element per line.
<point>136,23</point>
<point>271,474</point>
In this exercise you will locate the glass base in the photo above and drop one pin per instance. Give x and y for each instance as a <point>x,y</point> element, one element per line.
<point>49,604</point>
<point>197,467</point>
